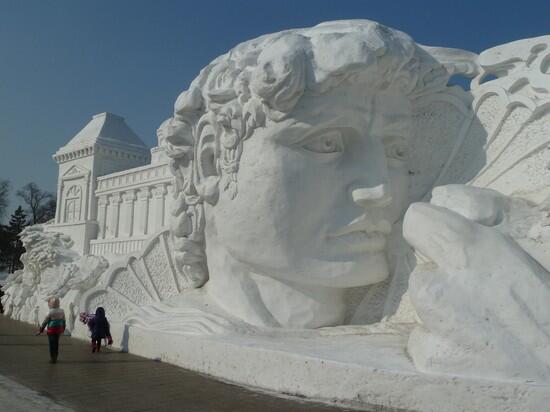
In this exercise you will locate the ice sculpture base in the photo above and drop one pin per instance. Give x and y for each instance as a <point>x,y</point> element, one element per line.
<point>363,371</point>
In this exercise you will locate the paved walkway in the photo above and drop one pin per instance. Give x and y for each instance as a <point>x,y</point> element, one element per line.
<point>114,381</point>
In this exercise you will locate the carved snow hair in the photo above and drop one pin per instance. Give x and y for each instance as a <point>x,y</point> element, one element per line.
<point>262,80</point>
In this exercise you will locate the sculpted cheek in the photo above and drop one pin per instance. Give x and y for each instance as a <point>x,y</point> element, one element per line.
<point>254,225</point>
<point>399,181</point>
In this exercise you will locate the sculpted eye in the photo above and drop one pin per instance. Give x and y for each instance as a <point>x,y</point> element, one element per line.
<point>329,142</point>
<point>396,148</point>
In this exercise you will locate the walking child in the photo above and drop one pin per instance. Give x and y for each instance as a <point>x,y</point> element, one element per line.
<point>55,324</point>
<point>99,326</point>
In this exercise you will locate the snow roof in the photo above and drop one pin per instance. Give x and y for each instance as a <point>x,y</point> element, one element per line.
<point>105,127</point>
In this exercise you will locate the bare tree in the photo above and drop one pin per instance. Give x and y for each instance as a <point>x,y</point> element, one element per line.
<point>39,203</point>
<point>48,211</point>
<point>4,191</point>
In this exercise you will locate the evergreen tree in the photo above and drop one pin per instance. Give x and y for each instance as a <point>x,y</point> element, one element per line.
<point>18,221</point>
<point>4,248</point>
<point>4,193</point>
<point>14,246</point>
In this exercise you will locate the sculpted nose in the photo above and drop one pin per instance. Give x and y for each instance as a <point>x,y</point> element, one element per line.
<point>376,196</point>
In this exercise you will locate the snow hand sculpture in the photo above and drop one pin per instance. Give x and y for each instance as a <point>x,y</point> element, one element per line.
<point>481,298</point>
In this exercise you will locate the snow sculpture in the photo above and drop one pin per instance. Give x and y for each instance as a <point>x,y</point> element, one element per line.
<point>482,287</point>
<point>291,158</point>
<point>269,142</point>
<point>51,268</point>
<point>329,182</point>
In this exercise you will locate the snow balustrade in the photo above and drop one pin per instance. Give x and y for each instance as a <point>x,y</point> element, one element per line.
<point>131,205</point>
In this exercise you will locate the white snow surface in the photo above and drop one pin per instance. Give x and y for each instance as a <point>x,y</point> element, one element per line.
<point>18,398</point>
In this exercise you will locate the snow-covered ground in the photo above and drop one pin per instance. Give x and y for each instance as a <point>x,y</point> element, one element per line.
<point>18,398</point>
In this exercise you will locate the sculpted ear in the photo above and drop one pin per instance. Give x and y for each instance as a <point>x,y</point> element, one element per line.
<point>207,174</point>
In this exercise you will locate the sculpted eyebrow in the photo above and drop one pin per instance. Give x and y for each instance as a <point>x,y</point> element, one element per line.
<point>293,133</point>
<point>397,126</point>
<point>296,130</point>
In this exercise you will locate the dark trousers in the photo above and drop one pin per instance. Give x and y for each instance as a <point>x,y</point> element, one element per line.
<point>96,343</point>
<point>53,340</point>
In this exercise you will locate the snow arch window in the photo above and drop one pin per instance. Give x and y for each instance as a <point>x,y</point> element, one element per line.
<point>73,200</point>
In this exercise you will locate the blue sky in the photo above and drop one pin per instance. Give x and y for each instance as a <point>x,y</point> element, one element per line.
<point>63,61</point>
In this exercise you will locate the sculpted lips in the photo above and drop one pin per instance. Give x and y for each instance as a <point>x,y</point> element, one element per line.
<point>363,235</point>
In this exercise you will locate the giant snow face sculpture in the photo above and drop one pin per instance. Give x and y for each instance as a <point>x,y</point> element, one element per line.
<point>316,200</point>
<point>290,154</point>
